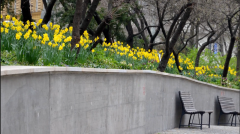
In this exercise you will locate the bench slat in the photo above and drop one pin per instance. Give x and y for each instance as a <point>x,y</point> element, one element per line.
<point>226,104</point>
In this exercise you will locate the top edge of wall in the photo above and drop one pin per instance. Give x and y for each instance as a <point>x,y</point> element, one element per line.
<point>13,70</point>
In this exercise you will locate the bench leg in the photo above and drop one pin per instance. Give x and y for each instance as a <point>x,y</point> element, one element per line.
<point>238,118</point>
<point>219,118</point>
<point>235,120</point>
<point>180,121</point>
<point>232,119</point>
<point>201,121</point>
<point>193,118</point>
<point>198,119</point>
<point>189,120</point>
<point>209,120</point>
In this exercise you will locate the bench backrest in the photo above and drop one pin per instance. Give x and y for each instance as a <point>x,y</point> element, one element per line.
<point>226,104</point>
<point>187,101</point>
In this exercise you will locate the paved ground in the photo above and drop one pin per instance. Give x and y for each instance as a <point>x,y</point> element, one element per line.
<point>205,130</point>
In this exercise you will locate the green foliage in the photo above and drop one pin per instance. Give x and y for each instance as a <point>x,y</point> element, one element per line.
<point>192,54</point>
<point>64,17</point>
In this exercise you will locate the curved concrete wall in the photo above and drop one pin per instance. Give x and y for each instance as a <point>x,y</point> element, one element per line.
<point>64,100</point>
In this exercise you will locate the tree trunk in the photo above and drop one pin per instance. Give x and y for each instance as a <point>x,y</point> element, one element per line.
<point>191,42</point>
<point>231,46</point>
<point>163,63</point>
<point>48,13</point>
<point>229,55</point>
<point>84,8</point>
<point>177,61</point>
<point>88,17</point>
<point>238,52</point>
<point>25,6</point>
<point>143,34</point>
<point>106,30</point>
<point>203,47</point>
<point>129,39</point>
<point>238,57</point>
<point>76,21</point>
<point>135,21</point>
<point>100,29</point>
<point>45,4</point>
<point>197,36</point>
<point>221,45</point>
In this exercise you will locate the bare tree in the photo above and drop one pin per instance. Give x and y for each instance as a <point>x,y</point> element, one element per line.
<point>210,40</point>
<point>233,32</point>
<point>48,13</point>
<point>171,38</point>
<point>76,22</point>
<point>25,6</point>
<point>238,54</point>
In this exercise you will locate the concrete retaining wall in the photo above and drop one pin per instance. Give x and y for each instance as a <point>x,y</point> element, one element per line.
<point>61,100</point>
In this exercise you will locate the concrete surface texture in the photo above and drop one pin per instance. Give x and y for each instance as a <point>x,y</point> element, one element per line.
<point>213,130</point>
<point>67,100</point>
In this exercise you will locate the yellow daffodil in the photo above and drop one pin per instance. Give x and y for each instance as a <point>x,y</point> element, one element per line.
<point>70,29</point>
<point>60,48</point>
<point>6,30</point>
<point>18,35</point>
<point>50,43</point>
<point>7,17</point>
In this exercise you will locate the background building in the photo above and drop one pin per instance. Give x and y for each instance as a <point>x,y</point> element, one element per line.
<point>36,7</point>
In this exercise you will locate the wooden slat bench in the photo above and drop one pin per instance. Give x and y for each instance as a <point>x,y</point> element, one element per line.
<point>227,107</point>
<point>189,108</point>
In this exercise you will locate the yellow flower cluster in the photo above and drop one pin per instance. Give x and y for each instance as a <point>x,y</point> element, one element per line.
<point>34,36</point>
<point>138,53</point>
<point>45,38</point>
<point>39,22</point>
<point>18,35</point>
<point>70,29</point>
<point>45,27</point>
<point>7,17</point>
<point>6,30</point>
<point>84,40</point>
<point>27,34</point>
<point>171,61</point>
<point>21,29</point>
<point>201,70</point>
<point>96,39</point>
<point>61,46</point>
<point>232,71</point>
<point>180,68</point>
<point>27,25</point>
<point>215,75</point>
<point>189,63</point>
<point>57,38</point>
<point>68,39</point>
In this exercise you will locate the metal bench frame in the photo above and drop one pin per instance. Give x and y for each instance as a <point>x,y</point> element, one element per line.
<point>227,107</point>
<point>188,108</point>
